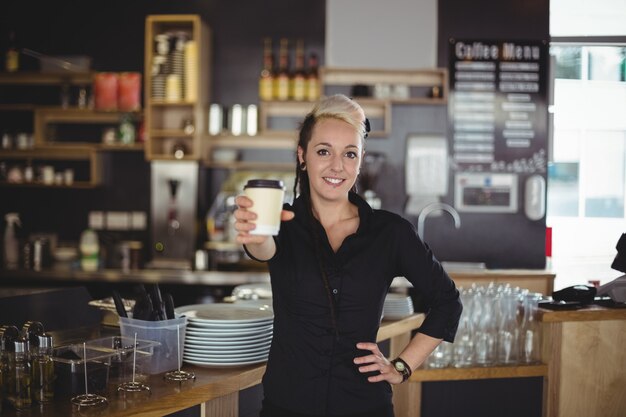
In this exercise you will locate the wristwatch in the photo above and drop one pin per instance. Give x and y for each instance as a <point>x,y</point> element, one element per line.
<point>401,366</point>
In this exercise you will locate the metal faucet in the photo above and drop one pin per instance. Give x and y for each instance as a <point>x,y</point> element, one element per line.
<point>421,219</point>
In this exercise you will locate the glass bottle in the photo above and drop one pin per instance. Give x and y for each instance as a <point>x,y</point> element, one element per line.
<point>463,347</point>
<point>312,79</point>
<point>530,335</point>
<point>507,347</point>
<point>440,357</point>
<point>12,56</point>
<point>485,329</point>
<point>281,82</point>
<point>42,369</point>
<point>19,380</point>
<point>298,81</point>
<point>266,79</point>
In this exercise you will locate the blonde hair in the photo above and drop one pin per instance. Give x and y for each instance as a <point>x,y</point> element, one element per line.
<point>341,107</point>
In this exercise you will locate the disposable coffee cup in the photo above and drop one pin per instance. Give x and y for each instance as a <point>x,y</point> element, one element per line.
<point>267,202</point>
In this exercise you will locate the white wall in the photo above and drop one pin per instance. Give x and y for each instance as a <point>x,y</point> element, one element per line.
<point>396,34</point>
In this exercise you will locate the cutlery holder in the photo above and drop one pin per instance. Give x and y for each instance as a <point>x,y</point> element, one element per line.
<point>166,354</point>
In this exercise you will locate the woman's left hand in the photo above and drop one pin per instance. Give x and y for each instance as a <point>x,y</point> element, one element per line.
<point>377,362</point>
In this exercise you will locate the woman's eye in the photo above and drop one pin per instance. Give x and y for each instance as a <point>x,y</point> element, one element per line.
<point>351,155</point>
<point>323,152</point>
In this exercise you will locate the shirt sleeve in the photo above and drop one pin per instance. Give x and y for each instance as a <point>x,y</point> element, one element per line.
<point>437,291</point>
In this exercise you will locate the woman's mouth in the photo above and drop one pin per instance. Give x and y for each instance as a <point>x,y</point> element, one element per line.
<point>333,181</point>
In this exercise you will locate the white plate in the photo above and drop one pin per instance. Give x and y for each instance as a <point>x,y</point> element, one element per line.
<point>198,325</point>
<point>203,331</point>
<point>225,313</point>
<point>229,340</point>
<point>214,364</point>
<point>226,358</point>
<point>220,350</point>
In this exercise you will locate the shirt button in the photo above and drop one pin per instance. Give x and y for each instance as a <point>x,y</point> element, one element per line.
<point>335,291</point>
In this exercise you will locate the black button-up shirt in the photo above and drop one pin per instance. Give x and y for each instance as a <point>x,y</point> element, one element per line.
<point>310,368</point>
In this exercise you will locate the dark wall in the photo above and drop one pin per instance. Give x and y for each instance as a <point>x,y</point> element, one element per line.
<point>112,34</point>
<point>500,240</point>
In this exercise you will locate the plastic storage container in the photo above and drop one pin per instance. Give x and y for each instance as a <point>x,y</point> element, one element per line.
<point>170,336</point>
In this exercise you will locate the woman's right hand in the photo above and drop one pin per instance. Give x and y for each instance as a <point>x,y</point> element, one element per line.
<point>243,222</point>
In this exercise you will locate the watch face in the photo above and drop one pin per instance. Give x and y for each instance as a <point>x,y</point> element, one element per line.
<point>399,366</point>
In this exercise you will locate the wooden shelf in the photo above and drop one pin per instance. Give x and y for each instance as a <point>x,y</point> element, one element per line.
<point>135,147</point>
<point>261,141</point>
<point>75,115</point>
<point>39,184</point>
<point>352,76</point>
<point>163,118</point>
<point>52,152</point>
<point>493,372</point>
<point>164,133</point>
<point>423,79</point>
<point>38,78</point>
<point>164,103</point>
<point>251,165</point>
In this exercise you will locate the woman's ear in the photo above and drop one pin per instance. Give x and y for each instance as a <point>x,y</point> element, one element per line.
<point>300,155</point>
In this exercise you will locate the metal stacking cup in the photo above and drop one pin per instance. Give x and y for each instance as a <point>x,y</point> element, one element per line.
<point>267,198</point>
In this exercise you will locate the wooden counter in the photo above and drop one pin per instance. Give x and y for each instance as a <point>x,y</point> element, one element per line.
<point>584,366</point>
<point>586,358</point>
<point>215,390</point>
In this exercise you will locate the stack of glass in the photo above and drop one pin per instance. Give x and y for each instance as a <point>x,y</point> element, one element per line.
<point>498,326</point>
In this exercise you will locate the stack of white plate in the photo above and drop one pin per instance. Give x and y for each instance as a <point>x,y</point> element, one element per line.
<point>227,334</point>
<point>397,306</point>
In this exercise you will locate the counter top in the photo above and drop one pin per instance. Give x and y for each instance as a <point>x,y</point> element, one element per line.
<point>211,384</point>
<point>590,313</point>
<point>189,277</point>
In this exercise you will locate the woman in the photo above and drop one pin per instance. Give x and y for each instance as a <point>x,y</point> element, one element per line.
<point>331,267</point>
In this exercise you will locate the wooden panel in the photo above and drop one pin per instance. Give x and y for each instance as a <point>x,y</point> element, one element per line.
<point>226,406</point>
<point>593,365</point>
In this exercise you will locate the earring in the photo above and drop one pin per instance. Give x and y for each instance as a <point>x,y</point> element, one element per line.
<point>303,166</point>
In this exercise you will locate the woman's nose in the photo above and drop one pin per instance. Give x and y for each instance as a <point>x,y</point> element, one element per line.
<point>337,163</point>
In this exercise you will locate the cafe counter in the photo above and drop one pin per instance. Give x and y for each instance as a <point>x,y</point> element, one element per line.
<point>216,390</point>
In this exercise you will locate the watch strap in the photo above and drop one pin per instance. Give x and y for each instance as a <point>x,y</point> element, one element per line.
<point>406,372</point>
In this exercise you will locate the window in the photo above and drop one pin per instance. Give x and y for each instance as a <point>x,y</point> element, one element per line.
<point>587,169</point>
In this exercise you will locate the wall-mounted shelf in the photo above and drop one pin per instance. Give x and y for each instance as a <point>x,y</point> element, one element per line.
<point>213,144</point>
<point>425,86</point>
<point>44,117</point>
<point>59,156</point>
<point>38,78</point>
<point>165,118</point>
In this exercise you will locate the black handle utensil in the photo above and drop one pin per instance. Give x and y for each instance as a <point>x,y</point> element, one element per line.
<point>119,304</point>
<point>143,309</point>
<point>169,306</point>
<point>158,307</point>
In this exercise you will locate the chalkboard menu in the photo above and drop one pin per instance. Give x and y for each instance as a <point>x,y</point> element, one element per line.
<point>498,106</point>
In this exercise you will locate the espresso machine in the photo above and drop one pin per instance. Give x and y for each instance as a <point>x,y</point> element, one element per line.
<point>174,201</point>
